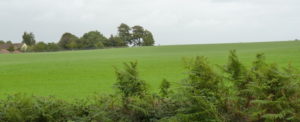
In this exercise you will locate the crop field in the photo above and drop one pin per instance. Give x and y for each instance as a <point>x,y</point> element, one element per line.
<point>77,74</point>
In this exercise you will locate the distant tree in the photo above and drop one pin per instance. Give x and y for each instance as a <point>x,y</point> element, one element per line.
<point>148,39</point>
<point>68,41</point>
<point>2,42</point>
<point>99,45</point>
<point>115,41</point>
<point>53,47</point>
<point>92,39</point>
<point>138,34</point>
<point>40,47</point>
<point>28,38</point>
<point>118,42</point>
<point>8,42</point>
<point>109,42</point>
<point>124,33</point>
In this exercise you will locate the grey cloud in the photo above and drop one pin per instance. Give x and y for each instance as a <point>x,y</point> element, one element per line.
<point>171,21</point>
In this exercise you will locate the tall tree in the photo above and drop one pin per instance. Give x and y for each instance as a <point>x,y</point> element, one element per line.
<point>92,39</point>
<point>137,33</point>
<point>28,38</point>
<point>115,41</point>
<point>124,33</point>
<point>68,41</point>
<point>148,39</point>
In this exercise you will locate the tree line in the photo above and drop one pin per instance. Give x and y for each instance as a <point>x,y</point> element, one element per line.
<point>126,36</point>
<point>230,92</point>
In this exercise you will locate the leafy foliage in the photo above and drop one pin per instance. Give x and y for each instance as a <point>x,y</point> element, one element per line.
<point>124,33</point>
<point>275,92</point>
<point>148,39</point>
<point>165,88</point>
<point>92,39</point>
<point>68,41</point>
<point>129,83</point>
<point>28,38</point>
<point>127,36</point>
<point>115,41</point>
<point>201,97</point>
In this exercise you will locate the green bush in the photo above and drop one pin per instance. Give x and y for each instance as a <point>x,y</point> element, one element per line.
<point>11,48</point>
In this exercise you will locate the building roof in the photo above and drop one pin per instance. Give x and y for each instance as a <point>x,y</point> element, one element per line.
<point>6,46</point>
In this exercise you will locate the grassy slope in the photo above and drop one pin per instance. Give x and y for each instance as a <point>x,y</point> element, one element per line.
<point>75,74</point>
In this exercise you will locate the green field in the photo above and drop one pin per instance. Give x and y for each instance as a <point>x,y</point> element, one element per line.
<point>77,74</point>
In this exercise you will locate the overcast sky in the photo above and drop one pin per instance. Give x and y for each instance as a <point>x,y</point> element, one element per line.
<point>170,21</point>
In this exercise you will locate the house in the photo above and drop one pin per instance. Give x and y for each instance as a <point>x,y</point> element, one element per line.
<point>17,48</point>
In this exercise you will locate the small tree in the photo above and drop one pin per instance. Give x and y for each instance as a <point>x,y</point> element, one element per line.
<point>68,41</point>
<point>124,33</point>
<point>8,42</point>
<point>164,88</point>
<point>92,39</point>
<point>53,47</point>
<point>128,82</point>
<point>276,93</point>
<point>200,95</point>
<point>28,38</point>
<point>40,47</point>
<point>137,34</point>
<point>148,39</point>
<point>115,41</point>
<point>237,98</point>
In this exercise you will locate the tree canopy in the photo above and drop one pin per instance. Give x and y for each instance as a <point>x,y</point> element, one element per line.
<point>92,39</point>
<point>68,41</point>
<point>124,33</point>
<point>28,38</point>
<point>126,36</point>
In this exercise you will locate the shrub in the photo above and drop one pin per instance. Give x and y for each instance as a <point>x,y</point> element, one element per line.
<point>53,47</point>
<point>20,107</point>
<point>200,95</point>
<point>165,88</point>
<point>276,93</point>
<point>129,84</point>
<point>11,48</point>
<point>40,47</point>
